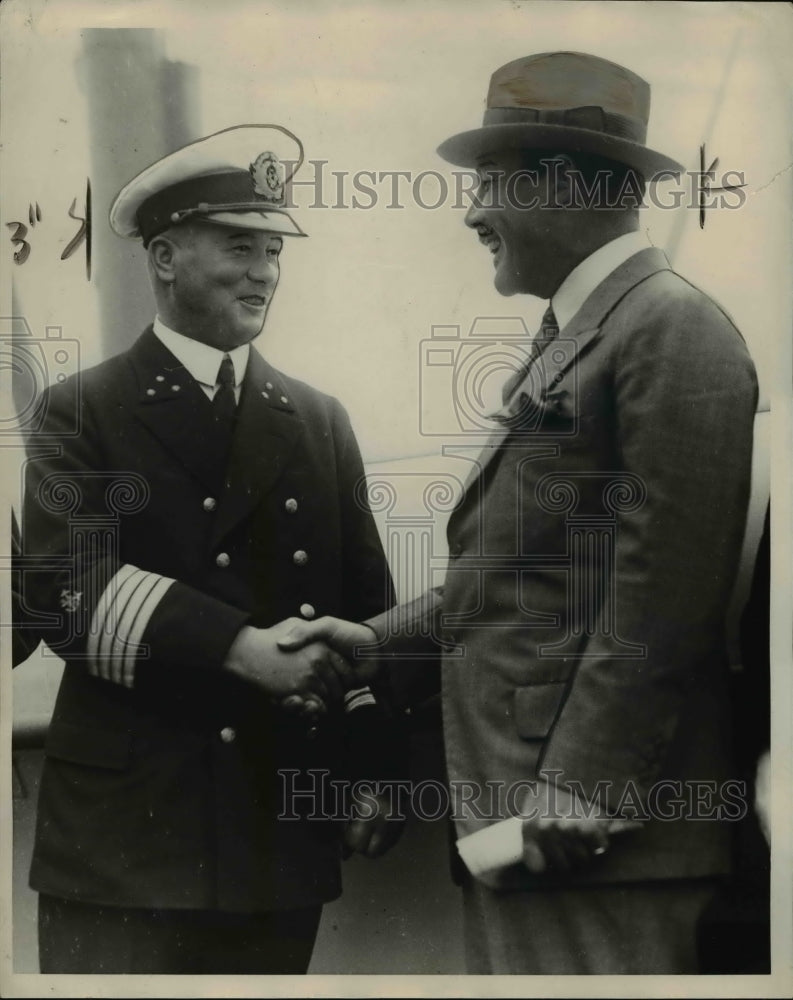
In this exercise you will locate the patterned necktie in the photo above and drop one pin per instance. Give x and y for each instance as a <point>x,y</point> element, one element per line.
<point>224,402</point>
<point>516,404</point>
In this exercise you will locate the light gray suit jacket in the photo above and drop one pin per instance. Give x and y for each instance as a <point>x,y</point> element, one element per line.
<point>592,557</point>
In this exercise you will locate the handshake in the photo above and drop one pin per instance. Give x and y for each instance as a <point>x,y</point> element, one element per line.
<point>306,667</point>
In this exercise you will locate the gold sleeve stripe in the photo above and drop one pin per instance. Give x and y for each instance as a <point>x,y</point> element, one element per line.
<point>135,635</point>
<point>102,623</point>
<point>357,698</point>
<point>120,619</point>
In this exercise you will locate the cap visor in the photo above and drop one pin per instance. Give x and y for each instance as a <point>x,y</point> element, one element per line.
<point>278,223</point>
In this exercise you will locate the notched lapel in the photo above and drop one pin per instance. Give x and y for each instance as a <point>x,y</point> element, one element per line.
<point>561,356</point>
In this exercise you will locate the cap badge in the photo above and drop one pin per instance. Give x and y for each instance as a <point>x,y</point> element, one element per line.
<point>268,176</point>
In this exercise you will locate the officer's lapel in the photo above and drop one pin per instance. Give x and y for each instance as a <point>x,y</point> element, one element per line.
<point>174,408</point>
<point>265,434</point>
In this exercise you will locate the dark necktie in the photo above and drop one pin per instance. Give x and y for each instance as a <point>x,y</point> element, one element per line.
<point>516,404</point>
<point>224,403</point>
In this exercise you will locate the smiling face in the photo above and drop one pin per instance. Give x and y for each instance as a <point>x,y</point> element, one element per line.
<point>512,216</point>
<point>218,282</point>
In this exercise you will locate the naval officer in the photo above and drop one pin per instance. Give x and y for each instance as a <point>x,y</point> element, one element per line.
<point>204,499</point>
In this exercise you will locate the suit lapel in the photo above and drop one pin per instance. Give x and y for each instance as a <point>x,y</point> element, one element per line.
<point>266,430</point>
<point>579,334</point>
<point>595,309</point>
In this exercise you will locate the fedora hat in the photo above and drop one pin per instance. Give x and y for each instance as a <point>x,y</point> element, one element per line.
<point>568,101</point>
<point>230,178</point>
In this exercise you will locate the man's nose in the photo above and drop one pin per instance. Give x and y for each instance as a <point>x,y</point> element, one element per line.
<point>473,217</point>
<point>264,267</point>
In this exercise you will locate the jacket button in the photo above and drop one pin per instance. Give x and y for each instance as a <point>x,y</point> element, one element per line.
<point>209,504</point>
<point>307,611</point>
<point>223,559</point>
<point>456,550</point>
<point>227,734</point>
<point>300,558</point>
<point>291,505</point>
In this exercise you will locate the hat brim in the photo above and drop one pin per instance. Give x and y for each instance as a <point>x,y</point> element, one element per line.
<point>276,223</point>
<point>469,149</point>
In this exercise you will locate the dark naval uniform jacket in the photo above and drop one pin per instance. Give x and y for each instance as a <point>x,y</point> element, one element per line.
<point>164,790</point>
<point>581,626</point>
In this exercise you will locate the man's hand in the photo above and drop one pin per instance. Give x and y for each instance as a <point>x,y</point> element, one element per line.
<point>310,678</point>
<point>559,836</point>
<point>370,831</point>
<point>342,636</point>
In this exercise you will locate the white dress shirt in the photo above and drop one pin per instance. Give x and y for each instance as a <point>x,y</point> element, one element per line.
<point>586,276</point>
<point>203,361</point>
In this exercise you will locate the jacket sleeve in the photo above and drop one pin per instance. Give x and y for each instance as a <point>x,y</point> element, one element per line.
<point>375,746</point>
<point>94,607</point>
<point>685,395</point>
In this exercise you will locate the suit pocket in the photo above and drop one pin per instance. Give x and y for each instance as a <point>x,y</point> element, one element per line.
<point>536,707</point>
<point>94,747</point>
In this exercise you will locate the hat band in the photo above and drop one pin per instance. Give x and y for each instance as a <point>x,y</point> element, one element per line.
<point>201,194</point>
<point>593,118</point>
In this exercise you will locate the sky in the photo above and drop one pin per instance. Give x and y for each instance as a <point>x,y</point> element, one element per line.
<point>375,86</point>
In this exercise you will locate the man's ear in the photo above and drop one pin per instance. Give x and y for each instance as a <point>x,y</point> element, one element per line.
<point>560,171</point>
<point>162,254</point>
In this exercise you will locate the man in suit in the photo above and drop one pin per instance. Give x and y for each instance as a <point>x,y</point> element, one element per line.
<point>195,499</point>
<point>592,554</point>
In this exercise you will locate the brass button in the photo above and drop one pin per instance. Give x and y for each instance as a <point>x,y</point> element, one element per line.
<point>150,392</point>
<point>223,560</point>
<point>227,734</point>
<point>291,505</point>
<point>284,399</point>
<point>209,504</point>
<point>307,611</point>
<point>159,378</point>
<point>300,558</point>
<point>456,550</point>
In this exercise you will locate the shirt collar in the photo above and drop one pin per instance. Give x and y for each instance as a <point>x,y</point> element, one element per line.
<point>201,360</point>
<point>586,276</point>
